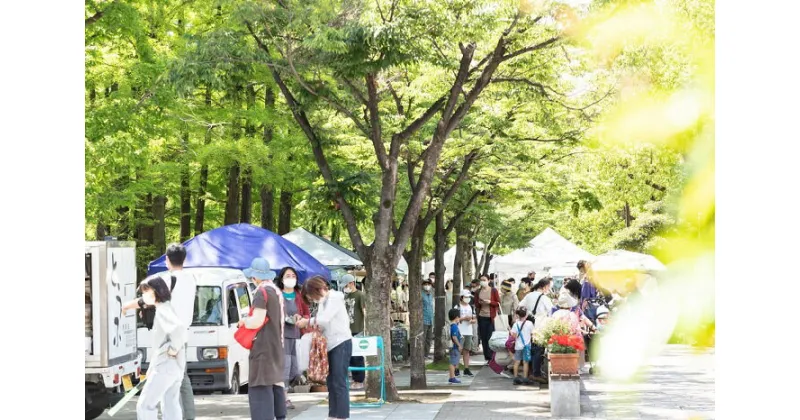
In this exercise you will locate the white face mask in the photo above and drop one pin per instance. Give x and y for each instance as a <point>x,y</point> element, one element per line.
<point>466,299</point>
<point>149,298</point>
<point>484,283</point>
<point>347,289</point>
<point>289,282</point>
<point>427,288</point>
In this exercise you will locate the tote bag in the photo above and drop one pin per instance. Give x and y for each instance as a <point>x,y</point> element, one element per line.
<point>318,357</point>
<point>303,348</point>
<point>244,335</point>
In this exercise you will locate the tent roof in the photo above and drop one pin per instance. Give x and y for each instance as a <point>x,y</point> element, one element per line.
<point>449,260</point>
<point>548,249</point>
<point>621,260</point>
<point>235,246</point>
<point>329,253</point>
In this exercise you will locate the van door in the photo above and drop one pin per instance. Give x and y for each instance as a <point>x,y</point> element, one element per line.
<point>238,297</point>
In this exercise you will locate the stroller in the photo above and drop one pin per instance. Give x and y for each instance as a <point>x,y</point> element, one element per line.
<point>600,320</point>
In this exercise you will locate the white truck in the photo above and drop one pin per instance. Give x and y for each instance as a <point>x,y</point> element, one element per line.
<point>112,359</point>
<point>215,361</point>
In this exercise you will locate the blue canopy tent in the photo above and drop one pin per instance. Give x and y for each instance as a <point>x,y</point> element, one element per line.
<point>235,246</point>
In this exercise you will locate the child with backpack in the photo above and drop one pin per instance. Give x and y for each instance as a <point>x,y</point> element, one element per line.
<point>456,341</point>
<point>522,330</point>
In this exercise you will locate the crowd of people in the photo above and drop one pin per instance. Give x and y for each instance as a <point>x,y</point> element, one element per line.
<point>339,315</point>
<point>472,320</point>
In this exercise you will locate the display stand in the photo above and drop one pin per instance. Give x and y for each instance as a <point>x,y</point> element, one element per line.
<point>370,347</point>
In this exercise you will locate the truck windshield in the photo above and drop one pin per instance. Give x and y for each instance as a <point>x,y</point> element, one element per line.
<point>207,306</point>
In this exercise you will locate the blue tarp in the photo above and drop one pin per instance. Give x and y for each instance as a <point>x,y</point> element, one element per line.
<point>235,246</point>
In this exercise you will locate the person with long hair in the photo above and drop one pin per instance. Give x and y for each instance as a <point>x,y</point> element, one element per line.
<point>332,319</point>
<point>266,387</point>
<point>296,316</point>
<point>165,374</point>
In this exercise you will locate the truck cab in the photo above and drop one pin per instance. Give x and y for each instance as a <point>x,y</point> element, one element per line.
<point>215,360</point>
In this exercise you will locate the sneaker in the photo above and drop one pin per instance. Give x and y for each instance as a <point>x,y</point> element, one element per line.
<point>517,381</point>
<point>506,375</point>
<point>539,379</point>
<point>459,373</point>
<point>356,386</point>
<point>454,381</point>
<point>289,405</point>
<point>467,372</point>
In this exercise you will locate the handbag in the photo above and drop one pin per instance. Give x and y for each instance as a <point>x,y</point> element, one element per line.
<point>245,336</point>
<point>318,357</point>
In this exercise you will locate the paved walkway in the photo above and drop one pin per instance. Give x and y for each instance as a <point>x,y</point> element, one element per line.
<point>679,384</point>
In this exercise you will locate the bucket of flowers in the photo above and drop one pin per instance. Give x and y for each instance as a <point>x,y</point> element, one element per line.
<point>563,351</point>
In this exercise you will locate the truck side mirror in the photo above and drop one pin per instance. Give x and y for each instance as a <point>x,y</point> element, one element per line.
<point>233,315</point>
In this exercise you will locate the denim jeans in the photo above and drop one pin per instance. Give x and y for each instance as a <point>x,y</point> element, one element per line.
<point>267,402</point>
<point>338,393</point>
<point>428,339</point>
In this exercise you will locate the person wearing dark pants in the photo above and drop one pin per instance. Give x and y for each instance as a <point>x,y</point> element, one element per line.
<point>332,319</point>
<point>339,396</point>
<point>537,357</point>
<point>487,302</point>
<point>267,399</point>
<point>427,315</point>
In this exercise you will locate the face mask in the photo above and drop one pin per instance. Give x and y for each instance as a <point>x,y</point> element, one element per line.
<point>289,283</point>
<point>149,298</point>
<point>347,289</point>
<point>484,283</point>
<point>427,288</point>
<point>466,299</point>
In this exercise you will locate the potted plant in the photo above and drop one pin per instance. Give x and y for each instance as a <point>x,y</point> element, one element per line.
<point>562,352</point>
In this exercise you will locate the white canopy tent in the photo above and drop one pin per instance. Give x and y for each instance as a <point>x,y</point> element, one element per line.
<point>621,260</point>
<point>331,254</point>
<point>547,253</point>
<point>328,253</point>
<point>449,260</point>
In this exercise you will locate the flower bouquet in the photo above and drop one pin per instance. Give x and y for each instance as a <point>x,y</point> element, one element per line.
<point>548,327</point>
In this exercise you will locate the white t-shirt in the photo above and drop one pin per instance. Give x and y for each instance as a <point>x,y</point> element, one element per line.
<point>527,330</point>
<point>465,327</point>
<point>545,304</point>
<point>183,295</point>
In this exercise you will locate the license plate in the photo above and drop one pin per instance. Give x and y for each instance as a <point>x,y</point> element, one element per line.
<point>126,383</point>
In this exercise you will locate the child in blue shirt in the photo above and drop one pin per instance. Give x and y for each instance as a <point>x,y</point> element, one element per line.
<point>455,350</point>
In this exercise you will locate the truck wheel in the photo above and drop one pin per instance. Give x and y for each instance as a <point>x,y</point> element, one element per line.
<point>234,388</point>
<point>93,413</point>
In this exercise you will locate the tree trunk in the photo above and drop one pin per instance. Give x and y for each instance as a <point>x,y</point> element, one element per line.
<point>267,195</point>
<point>247,200</point>
<point>458,265</point>
<point>416,333</point>
<point>232,201</point>
<point>186,195</point>
<point>440,241</point>
<point>200,207</point>
<point>100,231</point>
<point>336,233</point>
<point>477,263</point>
<point>267,211</point>
<point>159,226</point>
<point>467,260</point>
<point>380,267</point>
<point>285,213</point>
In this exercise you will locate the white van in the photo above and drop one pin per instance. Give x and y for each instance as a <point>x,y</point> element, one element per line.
<point>215,361</point>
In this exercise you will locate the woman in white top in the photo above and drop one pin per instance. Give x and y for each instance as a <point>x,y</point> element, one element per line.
<point>165,374</point>
<point>333,320</point>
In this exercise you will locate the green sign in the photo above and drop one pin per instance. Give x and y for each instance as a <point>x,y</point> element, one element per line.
<point>364,344</point>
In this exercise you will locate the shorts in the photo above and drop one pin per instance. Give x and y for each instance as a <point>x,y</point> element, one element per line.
<point>467,346</point>
<point>455,356</point>
<point>518,355</point>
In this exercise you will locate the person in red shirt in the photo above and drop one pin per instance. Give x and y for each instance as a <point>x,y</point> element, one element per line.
<point>487,302</point>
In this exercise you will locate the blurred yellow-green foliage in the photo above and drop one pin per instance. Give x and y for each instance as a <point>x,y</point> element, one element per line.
<point>664,52</point>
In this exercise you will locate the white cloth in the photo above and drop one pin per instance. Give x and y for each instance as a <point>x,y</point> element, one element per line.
<point>169,332</point>
<point>163,386</point>
<point>524,338</point>
<point>183,295</point>
<point>332,317</point>
<point>465,327</point>
<point>545,304</point>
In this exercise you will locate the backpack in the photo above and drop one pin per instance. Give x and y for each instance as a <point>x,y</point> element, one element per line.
<point>149,312</point>
<point>447,342</point>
